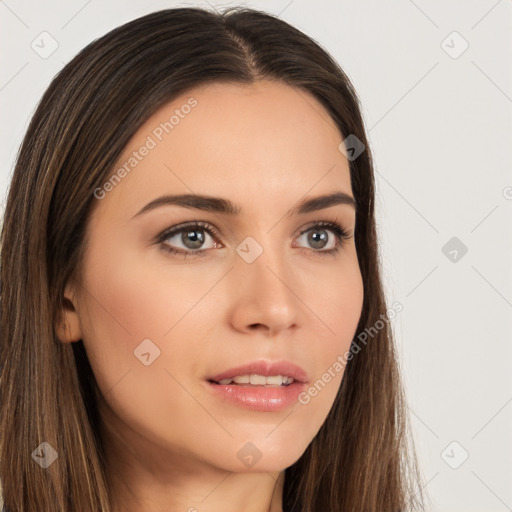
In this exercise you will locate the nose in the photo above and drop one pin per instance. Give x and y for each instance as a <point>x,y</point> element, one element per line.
<point>264,295</point>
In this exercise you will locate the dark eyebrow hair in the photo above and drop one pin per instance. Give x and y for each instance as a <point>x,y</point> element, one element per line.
<point>219,205</point>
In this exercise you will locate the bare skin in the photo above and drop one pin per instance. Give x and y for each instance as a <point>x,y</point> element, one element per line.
<point>171,445</point>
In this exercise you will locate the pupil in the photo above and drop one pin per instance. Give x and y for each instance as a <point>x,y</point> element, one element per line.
<point>195,237</point>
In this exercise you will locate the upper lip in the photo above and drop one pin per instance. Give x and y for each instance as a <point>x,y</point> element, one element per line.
<point>266,368</point>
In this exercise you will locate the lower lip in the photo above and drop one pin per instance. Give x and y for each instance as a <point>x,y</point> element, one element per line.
<point>259,398</point>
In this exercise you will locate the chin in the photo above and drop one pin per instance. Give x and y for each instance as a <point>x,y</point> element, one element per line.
<point>266,456</point>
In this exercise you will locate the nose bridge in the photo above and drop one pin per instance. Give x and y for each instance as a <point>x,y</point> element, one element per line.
<point>263,261</point>
<point>263,276</point>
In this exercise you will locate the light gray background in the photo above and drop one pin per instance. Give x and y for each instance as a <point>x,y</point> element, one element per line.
<point>440,130</point>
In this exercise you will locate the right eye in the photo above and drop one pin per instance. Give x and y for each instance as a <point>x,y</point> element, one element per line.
<point>192,237</point>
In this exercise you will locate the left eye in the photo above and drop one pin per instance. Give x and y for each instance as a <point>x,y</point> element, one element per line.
<point>192,236</point>
<point>319,238</point>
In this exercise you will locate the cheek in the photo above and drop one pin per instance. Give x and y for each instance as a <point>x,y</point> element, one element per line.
<point>338,308</point>
<point>138,338</point>
<point>125,306</point>
<point>337,303</point>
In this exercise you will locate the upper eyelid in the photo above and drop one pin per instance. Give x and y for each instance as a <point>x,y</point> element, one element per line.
<point>325,223</point>
<point>166,233</point>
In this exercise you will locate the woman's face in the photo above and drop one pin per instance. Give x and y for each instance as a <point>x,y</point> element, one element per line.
<point>158,326</point>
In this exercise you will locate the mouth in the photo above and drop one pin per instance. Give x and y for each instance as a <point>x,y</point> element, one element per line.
<point>256,380</point>
<point>260,386</point>
<point>262,373</point>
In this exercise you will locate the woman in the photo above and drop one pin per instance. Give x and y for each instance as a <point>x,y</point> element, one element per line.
<point>192,310</point>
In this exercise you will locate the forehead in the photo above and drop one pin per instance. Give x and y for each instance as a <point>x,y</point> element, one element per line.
<point>258,142</point>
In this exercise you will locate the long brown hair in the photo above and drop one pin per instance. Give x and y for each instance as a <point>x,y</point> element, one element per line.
<point>362,458</point>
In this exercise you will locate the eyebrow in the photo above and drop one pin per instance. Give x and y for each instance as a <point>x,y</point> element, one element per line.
<point>224,206</point>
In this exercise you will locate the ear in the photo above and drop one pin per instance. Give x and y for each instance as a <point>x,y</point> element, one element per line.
<point>69,328</point>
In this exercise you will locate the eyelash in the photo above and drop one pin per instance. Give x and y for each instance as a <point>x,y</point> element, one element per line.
<point>341,235</point>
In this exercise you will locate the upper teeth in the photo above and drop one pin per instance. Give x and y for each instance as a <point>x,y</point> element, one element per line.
<point>259,379</point>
